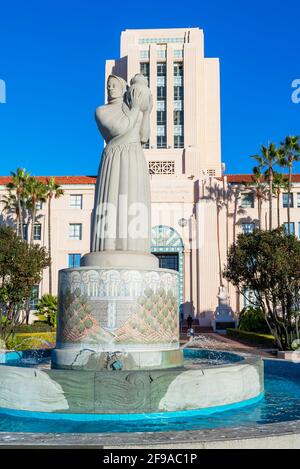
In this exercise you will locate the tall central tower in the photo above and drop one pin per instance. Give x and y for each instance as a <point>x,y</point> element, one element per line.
<point>185,121</point>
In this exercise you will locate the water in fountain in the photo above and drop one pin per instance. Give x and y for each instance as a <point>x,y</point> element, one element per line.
<point>205,342</point>
<point>38,357</point>
<point>214,347</point>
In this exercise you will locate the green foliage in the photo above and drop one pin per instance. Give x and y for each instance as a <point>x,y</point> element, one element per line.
<point>37,326</point>
<point>34,340</point>
<point>268,262</point>
<point>251,337</point>
<point>47,307</point>
<point>289,151</point>
<point>11,342</point>
<point>21,267</point>
<point>252,320</point>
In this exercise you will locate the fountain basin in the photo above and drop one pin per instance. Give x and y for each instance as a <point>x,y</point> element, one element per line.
<point>196,386</point>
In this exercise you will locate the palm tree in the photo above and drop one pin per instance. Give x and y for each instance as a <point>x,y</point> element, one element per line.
<point>10,204</point>
<point>289,153</point>
<point>280,183</point>
<point>260,190</point>
<point>266,161</point>
<point>18,183</point>
<point>35,191</point>
<point>52,190</point>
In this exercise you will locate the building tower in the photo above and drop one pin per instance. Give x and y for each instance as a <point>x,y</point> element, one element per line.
<point>185,121</point>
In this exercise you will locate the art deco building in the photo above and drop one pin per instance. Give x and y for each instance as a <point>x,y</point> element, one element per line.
<point>197,211</point>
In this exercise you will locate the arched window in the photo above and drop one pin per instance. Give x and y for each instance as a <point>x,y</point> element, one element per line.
<point>167,245</point>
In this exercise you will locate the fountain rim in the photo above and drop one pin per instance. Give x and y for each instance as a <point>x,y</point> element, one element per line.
<point>245,358</point>
<point>169,415</point>
<point>122,268</point>
<point>266,435</point>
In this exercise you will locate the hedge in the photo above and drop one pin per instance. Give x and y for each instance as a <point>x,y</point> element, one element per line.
<point>35,327</point>
<point>25,341</point>
<point>252,337</point>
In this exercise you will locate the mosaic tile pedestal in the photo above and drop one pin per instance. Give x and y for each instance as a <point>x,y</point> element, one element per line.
<point>117,319</point>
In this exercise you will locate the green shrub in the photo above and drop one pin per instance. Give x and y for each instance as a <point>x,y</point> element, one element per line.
<point>252,320</point>
<point>37,326</point>
<point>11,342</point>
<point>34,340</point>
<point>47,307</point>
<point>252,337</point>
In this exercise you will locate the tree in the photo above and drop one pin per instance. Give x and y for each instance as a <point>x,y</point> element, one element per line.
<point>47,308</point>
<point>268,263</point>
<point>35,191</point>
<point>18,183</point>
<point>259,187</point>
<point>266,161</point>
<point>280,183</point>
<point>10,205</point>
<point>21,267</point>
<point>252,320</point>
<point>53,190</point>
<point>289,153</point>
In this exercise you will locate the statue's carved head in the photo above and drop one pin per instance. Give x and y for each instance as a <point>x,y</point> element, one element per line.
<point>116,87</point>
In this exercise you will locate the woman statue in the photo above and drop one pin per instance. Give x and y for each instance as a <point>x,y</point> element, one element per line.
<point>121,220</point>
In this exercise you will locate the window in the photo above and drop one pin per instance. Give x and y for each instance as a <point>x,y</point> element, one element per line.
<point>292,228</point>
<point>161,54</point>
<point>298,200</point>
<point>178,81</point>
<point>161,141</point>
<point>178,93</point>
<point>76,201</point>
<point>163,40</point>
<point>178,117</point>
<point>144,54</point>
<point>178,141</point>
<point>249,298</point>
<point>160,81</point>
<point>74,260</point>
<point>178,129</point>
<point>161,69</point>
<point>161,130</point>
<point>178,53</point>
<point>285,199</point>
<point>39,205</point>
<point>247,200</point>
<point>75,231</point>
<point>161,117</point>
<point>34,297</point>
<point>248,228</point>
<point>168,261</point>
<point>25,231</point>
<point>144,69</point>
<point>211,172</point>
<point>161,106</point>
<point>37,232</point>
<point>178,69</point>
<point>178,105</point>
<point>161,92</point>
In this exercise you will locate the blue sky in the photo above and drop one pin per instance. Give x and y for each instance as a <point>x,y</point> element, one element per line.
<point>52,56</point>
